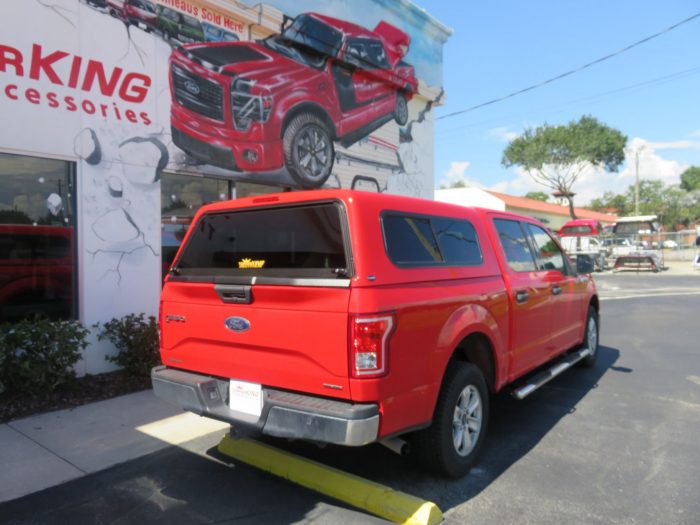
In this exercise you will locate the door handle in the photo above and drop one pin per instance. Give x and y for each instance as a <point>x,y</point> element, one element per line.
<point>521,296</point>
<point>556,289</point>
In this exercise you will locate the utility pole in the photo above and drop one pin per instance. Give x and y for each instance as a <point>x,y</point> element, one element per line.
<point>637,151</point>
<point>636,181</point>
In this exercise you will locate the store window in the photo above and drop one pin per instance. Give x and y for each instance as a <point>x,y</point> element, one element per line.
<point>37,238</point>
<point>181,197</point>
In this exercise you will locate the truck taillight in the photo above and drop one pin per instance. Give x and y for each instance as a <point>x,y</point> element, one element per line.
<point>369,345</point>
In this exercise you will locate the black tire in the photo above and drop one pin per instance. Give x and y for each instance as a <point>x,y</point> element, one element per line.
<point>401,111</point>
<point>308,150</point>
<point>591,336</point>
<point>435,447</point>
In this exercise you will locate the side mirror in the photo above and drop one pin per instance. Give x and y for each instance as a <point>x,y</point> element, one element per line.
<point>286,19</point>
<point>584,264</point>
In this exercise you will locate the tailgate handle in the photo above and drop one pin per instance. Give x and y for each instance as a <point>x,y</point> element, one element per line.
<point>234,293</point>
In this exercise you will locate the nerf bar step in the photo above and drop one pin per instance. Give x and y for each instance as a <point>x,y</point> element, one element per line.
<point>544,377</point>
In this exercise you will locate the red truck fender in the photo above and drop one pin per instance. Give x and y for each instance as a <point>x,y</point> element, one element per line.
<point>474,322</point>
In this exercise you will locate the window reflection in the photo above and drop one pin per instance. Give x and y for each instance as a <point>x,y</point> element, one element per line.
<point>181,197</point>
<point>37,268</point>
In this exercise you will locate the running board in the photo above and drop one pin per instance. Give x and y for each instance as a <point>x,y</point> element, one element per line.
<point>544,377</point>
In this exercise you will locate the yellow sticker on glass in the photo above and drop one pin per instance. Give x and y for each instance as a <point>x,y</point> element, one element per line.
<point>250,263</point>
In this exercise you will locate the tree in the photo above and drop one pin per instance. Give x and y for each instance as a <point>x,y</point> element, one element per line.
<point>610,202</point>
<point>690,179</point>
<point>555,156</point>
<point>650,196</point>
<point>537,195</point>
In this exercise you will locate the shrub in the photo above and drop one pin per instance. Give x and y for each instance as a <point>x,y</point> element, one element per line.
<point>136,340</point>
<point>38,355</point>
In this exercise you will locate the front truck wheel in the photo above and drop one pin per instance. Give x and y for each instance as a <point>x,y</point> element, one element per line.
<point>450,446</point>
<point>590,339</point>
<point>308,150</point>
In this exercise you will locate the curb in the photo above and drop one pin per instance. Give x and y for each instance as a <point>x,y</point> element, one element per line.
<point>367,495</point>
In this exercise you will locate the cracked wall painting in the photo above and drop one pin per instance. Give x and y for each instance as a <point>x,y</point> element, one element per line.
<point>289,93</point>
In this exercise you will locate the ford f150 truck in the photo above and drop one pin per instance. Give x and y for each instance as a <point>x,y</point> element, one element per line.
<point>352,317</point>
<point>283,101</point>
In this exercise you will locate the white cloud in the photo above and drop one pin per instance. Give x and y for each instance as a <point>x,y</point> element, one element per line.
<point>503,134</point>
<point>678,144</point>
<point>593,183</point>
<point>695,133</point>
<point>458,173</point>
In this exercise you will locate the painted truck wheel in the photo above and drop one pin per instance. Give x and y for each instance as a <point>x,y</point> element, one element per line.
<point>308,150</point>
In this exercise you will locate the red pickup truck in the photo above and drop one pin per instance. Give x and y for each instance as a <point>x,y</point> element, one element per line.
<point>282,102</point>
<point>351,317</point>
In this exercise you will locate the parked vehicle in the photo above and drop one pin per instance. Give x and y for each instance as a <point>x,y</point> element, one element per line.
<point>141,13</point>
<point>642,232</point>
<point>351,317</point>
<point>36,269</point>
<point>178,26</point>
<point>214,33</point>
<point>582,237</point>
<point>283,102</point>
<point>669,244</point>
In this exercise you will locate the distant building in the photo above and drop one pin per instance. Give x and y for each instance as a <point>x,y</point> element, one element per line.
<point>552,215</point>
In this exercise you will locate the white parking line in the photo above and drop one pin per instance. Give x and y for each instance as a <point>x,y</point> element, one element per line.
<point>659,293</point>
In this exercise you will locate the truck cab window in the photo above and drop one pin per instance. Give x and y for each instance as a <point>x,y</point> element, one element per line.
<point>515,245</point>
<point>550,256</point>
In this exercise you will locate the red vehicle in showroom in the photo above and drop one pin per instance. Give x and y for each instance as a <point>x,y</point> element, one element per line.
<point>36,271</point>
<point>283,101</point>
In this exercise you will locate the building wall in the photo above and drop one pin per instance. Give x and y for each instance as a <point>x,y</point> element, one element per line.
<point>88,83</point>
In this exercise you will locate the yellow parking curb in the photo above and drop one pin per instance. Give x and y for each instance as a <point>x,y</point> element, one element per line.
<point>361,493</point>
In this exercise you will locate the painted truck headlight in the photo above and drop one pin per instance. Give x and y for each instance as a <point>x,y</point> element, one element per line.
<point>247,107</point>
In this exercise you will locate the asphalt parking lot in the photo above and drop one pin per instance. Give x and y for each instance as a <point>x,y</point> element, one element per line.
<point>613,444</point>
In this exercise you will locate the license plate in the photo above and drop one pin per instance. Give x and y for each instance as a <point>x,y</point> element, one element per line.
<point>245,397</point>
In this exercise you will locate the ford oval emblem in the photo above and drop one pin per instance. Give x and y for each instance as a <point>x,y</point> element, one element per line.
<point>237,324</point>
<point>192,87</point>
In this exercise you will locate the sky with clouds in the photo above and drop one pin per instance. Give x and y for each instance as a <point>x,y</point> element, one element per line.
<point>650,93</point>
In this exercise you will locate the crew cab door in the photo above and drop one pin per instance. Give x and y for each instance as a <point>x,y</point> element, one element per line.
<point>372,72</point>
<point>530,299</point>
<point>567,311</point>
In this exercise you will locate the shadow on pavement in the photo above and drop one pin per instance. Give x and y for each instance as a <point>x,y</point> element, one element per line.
<point>515,428</point>
<point>177,486</point>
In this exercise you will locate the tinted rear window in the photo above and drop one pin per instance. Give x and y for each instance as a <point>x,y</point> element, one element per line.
<point>430,241</point>
<point>571,230</point>
<point>303,241</point>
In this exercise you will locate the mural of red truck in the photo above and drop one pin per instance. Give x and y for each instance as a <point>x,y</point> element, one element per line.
<point>282,102</point>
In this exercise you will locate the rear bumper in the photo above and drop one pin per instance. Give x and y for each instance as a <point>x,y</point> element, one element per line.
<point>284,414</point>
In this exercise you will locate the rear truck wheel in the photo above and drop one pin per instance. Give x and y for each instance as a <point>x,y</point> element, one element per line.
<point>401,111</point>
<point>450,446</point>
<point>590,339</point>
<point>308,150</point>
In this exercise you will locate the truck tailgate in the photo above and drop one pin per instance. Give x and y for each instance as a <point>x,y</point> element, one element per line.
<point>289,337</point>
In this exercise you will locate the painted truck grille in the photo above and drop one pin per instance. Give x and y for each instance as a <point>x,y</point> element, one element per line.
<point>198,94</point>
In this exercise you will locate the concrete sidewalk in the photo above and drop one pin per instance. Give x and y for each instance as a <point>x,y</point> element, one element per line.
<point>41,451</point>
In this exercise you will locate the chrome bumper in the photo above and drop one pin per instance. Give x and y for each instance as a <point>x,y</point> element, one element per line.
<point>284,414</point>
